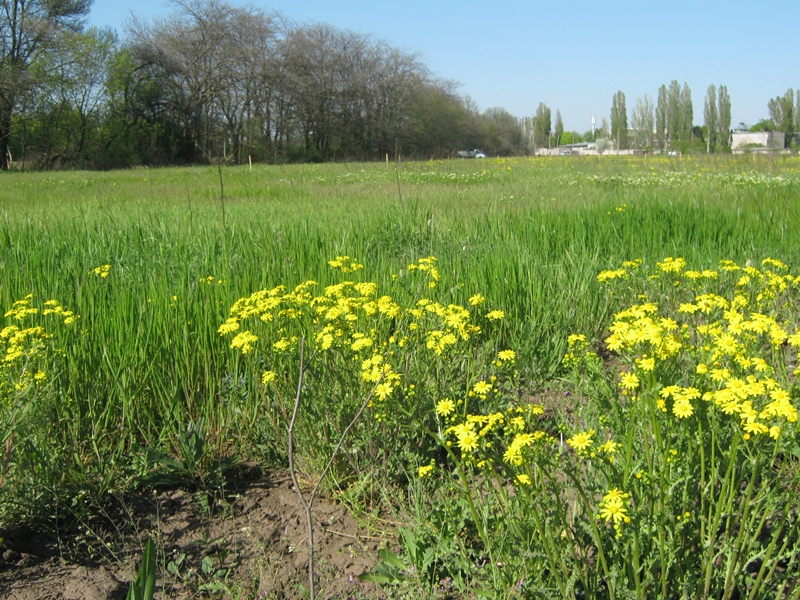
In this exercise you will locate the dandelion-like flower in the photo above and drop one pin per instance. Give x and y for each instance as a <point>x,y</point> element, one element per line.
<point>482,388</point>
<point>629,381</point>
<point>445,407</point>
<point>581,441</point>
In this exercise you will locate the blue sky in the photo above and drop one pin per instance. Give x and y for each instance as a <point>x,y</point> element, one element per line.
<point>572,55</point>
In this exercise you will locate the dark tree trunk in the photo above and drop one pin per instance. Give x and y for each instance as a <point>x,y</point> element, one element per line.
<point>6,110</point>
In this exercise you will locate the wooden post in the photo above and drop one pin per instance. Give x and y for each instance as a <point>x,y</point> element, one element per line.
<point>250,161</point>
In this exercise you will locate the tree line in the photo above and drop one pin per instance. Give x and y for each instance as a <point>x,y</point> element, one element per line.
<point>214,82</point>
<point>668,125</point>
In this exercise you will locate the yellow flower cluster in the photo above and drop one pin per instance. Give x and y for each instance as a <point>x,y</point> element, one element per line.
<point>481,438</point>
<point>427,265</point>
<point>345,264</point>
<point>360,324</point>
<point>734,345</point>
<point>101,271</point>
<point>613,507</point>
<point>21,347</point>
<point>639,328</point>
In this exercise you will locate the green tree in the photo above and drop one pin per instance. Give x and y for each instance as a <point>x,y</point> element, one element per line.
<point>724,117</point>
<point>710,117</point>
<point>559,127</point>
<point>686,114</point>
<point>619,121</point>
<point>642,122</point>
<point>66,108</point>
<point>781,111</point>
<point>503,134</point>
<point>764,125</point>
<point>541,126</point>
<point>797,112</point>
<point>28,29</point>
<point>673,111</point>
<point>662,109</point>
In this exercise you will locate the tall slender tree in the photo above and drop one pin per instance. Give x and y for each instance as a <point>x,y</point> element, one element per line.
<point>674,111</point>
<point>710,117</point>
<point>642,122</point>
<point>686,113</point>
<point>781,111</point>
<point>559,127</point>
<point>619,121</point>
<point>541,126</point>
<point>662,110</point>
<point>724,113</point>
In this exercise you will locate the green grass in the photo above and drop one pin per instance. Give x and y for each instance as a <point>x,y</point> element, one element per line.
<point>531,235</point>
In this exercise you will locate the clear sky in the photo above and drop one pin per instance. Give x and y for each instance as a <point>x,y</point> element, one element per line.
<point>573,55</point>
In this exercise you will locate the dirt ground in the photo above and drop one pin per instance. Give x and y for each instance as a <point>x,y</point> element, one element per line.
<point>254,546</point>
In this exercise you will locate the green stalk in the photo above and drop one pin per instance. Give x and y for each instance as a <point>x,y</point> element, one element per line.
<point>716,511</point>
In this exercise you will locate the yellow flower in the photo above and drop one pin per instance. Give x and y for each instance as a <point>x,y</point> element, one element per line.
<point>467,440</point>
<point>610,447</point>
<point>523,479</point>
<point>445,407</point>
<point>383,390</point>
<point>495,315</point>
<point>682,408</point>
<point>101,271</point>
<point>581,441</point>
<point>482,388</point>
<point>425,471</point>
<point>613,512</point>
<point>507,355</point>
<point>267,377</point>
<point>646,364</point>
<point>244,342</point>
<point>614,496</point>
<point>629,381</point>
<point>476,299</point>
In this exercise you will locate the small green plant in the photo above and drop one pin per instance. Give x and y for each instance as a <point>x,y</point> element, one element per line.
<point>196,462</point>
<point>144,587</point>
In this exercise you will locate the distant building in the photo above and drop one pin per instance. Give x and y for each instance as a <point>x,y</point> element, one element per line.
<point>757,141</point>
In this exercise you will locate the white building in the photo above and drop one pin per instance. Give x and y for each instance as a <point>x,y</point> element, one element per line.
<point>757,141</point>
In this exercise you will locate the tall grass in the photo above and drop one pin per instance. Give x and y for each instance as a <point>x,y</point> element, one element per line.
<point>531,235</point>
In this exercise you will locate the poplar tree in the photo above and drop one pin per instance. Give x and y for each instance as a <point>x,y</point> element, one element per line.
<point>686,113</point>
<point>781,111</point>
<point>724,120</point>
<point>673,111</point>
<point>710,117</point>
<point>661,117</point>
<point>642,122</point>
<point>619,121</point>
<point>559,127</point>
<point>541,126</point>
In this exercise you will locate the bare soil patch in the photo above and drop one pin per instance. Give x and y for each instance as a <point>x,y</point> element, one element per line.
<point>254,545</point>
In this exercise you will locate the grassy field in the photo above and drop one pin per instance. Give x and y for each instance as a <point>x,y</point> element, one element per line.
<point>139,386</point>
